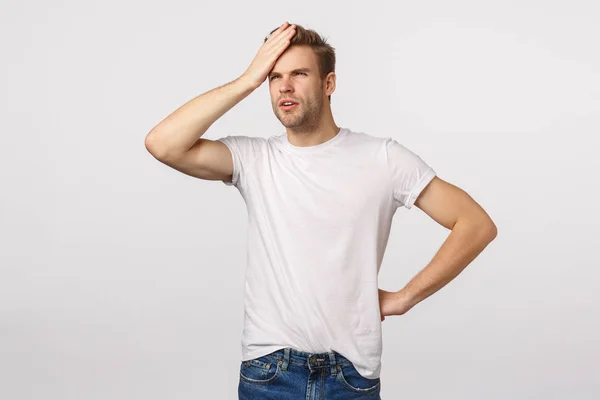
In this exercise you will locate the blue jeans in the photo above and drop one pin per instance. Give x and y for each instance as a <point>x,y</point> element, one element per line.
<point>289,374</point>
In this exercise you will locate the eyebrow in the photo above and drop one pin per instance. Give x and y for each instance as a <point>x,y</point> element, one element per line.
<point>294,70</point>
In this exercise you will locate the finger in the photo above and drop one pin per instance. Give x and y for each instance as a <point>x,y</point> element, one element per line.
<point>281,32</point>
<point>286,36</point>
<point>282,38</point>
<point>277,46</point>
<point>276,31</point>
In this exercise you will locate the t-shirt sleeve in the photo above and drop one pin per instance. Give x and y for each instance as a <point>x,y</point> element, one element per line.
<point>243,152</point>
<point>409,173</point>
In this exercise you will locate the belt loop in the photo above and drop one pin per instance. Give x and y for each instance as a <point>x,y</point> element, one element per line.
<point>333,363</point>
<point>286,358</point>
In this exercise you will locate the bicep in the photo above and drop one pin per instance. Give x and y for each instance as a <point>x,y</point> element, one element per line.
<point>206,159</point>
<point>445,203</point>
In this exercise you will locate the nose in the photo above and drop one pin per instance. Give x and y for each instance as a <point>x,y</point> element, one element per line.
<point>285,85</point>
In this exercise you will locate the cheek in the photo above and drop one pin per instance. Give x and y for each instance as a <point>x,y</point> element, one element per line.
<point>273,91</point>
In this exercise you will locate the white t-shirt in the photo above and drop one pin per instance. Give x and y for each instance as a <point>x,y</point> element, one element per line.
<point>319,219</point>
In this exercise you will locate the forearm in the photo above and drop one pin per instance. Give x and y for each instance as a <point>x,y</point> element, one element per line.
<point>463,245</point>
<point>179,131</point>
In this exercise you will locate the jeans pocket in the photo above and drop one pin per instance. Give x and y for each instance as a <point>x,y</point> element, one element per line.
<point>260,370</point>
<point>354,381</point>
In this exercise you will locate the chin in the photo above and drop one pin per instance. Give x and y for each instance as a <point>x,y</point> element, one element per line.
<point>289,122</point>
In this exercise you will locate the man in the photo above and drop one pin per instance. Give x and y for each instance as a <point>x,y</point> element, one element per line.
<point>320,200</point>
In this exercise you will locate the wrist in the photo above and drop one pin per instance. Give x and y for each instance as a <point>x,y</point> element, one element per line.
<point>247,83</point>
<point>406,298</point>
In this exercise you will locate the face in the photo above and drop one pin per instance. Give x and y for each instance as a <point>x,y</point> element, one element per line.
<point>295,76</point>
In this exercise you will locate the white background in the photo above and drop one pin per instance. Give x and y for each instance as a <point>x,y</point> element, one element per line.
<point>121,278</point>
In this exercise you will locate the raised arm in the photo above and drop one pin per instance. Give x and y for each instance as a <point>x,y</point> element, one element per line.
<point>176,141</point>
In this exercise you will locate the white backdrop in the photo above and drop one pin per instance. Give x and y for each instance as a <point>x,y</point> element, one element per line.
<point>121,278</point>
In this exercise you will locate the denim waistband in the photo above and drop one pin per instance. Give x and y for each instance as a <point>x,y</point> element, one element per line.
<point>310,361</point>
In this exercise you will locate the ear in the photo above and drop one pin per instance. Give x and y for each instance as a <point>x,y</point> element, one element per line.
<point>329,83</point>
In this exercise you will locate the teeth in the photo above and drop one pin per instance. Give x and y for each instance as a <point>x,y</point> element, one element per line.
<point>287,104</point>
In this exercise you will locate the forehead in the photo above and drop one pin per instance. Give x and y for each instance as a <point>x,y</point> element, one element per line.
<point>296,57</point>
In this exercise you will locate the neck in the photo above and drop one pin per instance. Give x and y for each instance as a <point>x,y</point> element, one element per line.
<point>312,135</point>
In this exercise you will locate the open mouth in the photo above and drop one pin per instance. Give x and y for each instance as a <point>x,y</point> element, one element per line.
<point>286,106</point>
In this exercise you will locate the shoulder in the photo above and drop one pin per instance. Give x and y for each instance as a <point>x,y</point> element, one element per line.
<point>364,141</point>
<point>245,149</point>
<point>245,143</point>
<point>243,140</point>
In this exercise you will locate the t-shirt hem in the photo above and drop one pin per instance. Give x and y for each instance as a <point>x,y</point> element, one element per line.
<point>262,352</point>
<point>425,179</point>
<point>235,174</point>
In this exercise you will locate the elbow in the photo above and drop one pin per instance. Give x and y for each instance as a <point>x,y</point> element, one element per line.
<point>486,226</point>
<point>153,147</point>
<point>493,232</point>
<point>490,230</point>
<point>482,225</point>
